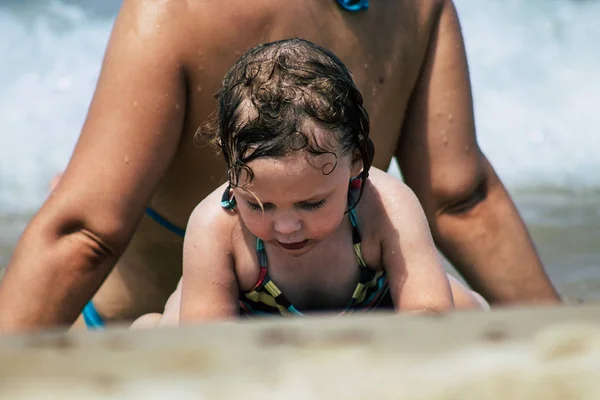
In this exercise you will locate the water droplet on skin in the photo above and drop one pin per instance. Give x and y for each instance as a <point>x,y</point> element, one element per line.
<point>366,66</point>
<point>135,103</point>
<point>198,88</point>
<point>200,68</point>
<point>177,106</point>
<point>126,160</point>
<point>444,137</point>
<point>450,118</point>
<point>438,113</point>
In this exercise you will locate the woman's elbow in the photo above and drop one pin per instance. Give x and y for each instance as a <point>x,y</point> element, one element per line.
<point>77,241</point>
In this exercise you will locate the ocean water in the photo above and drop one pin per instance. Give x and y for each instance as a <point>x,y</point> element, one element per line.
<point>533,66</point>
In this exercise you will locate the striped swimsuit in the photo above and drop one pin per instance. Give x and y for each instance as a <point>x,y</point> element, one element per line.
<point>265,298</point>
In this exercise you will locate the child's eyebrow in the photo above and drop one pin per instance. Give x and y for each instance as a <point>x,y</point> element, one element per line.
<point>247,197</point>
<point>316,198</point>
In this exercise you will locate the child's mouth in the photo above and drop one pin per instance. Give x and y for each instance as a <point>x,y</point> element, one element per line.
<point>293,246</point>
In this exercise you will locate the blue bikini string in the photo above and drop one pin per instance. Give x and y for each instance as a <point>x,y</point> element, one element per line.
<point>164,222</point>
<point>354,5</point>
<point>93,320</point>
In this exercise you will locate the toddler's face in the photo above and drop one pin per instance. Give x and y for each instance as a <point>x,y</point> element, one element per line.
<point>303,200</point>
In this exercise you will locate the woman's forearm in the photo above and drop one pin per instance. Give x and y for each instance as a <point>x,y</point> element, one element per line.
<point>51,276</point>
<point>490,246</point>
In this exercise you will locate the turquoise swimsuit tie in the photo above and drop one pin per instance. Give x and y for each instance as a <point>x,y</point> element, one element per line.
<point>159,219</point>
<point>354,5</point>
<point>92,319</point>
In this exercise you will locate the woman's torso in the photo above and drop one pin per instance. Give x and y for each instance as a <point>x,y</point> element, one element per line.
<point>384,48</point>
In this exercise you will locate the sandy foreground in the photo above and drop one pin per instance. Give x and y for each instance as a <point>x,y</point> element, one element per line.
<point>535,353</point>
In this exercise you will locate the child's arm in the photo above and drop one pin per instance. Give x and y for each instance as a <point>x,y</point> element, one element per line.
<point>210,289</point>
<point>417,279</point>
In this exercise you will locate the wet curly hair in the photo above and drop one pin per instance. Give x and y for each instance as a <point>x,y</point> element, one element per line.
<point>269,96</point>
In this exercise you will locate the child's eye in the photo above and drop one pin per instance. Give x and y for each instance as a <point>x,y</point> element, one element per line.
<point>253,207</point>
<point>256,207</point>
<point>313,206</point>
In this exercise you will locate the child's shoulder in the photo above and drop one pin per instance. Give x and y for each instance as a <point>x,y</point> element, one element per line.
<point>388,200</point>
<point>210,218</point>
<point>386,190</point>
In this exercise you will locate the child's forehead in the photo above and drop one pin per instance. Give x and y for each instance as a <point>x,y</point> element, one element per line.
<point>294,177</point>
<point>296,166</point>
<point>299,162</point>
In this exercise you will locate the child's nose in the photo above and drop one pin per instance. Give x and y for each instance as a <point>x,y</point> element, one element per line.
<point>287,224</point>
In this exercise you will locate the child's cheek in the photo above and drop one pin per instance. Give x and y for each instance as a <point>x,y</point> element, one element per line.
<point>257,223</point>
<point>325,224</point>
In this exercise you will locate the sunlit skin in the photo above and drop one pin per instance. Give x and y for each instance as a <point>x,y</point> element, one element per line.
<point>297,204</point>
<point>291,201</point>
<point>162,66</point>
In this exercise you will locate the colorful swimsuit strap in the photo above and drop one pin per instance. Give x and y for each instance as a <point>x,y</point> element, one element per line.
<point>354,5</point>
<point>265,295</point>
<point>370,289</point>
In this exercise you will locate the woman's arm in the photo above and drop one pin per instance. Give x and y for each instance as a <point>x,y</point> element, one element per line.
<point>209,284</point>
<point>472,217</point>
<point>128,140</point>
<point>417,279</point>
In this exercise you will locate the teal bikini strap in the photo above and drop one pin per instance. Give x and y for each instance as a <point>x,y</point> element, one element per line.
<point>353,219</point>
<point>228,200</point>
<point>92,319</point>
<point>354,5</point>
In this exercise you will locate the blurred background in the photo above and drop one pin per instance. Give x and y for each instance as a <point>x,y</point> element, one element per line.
<point>534,69</point>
